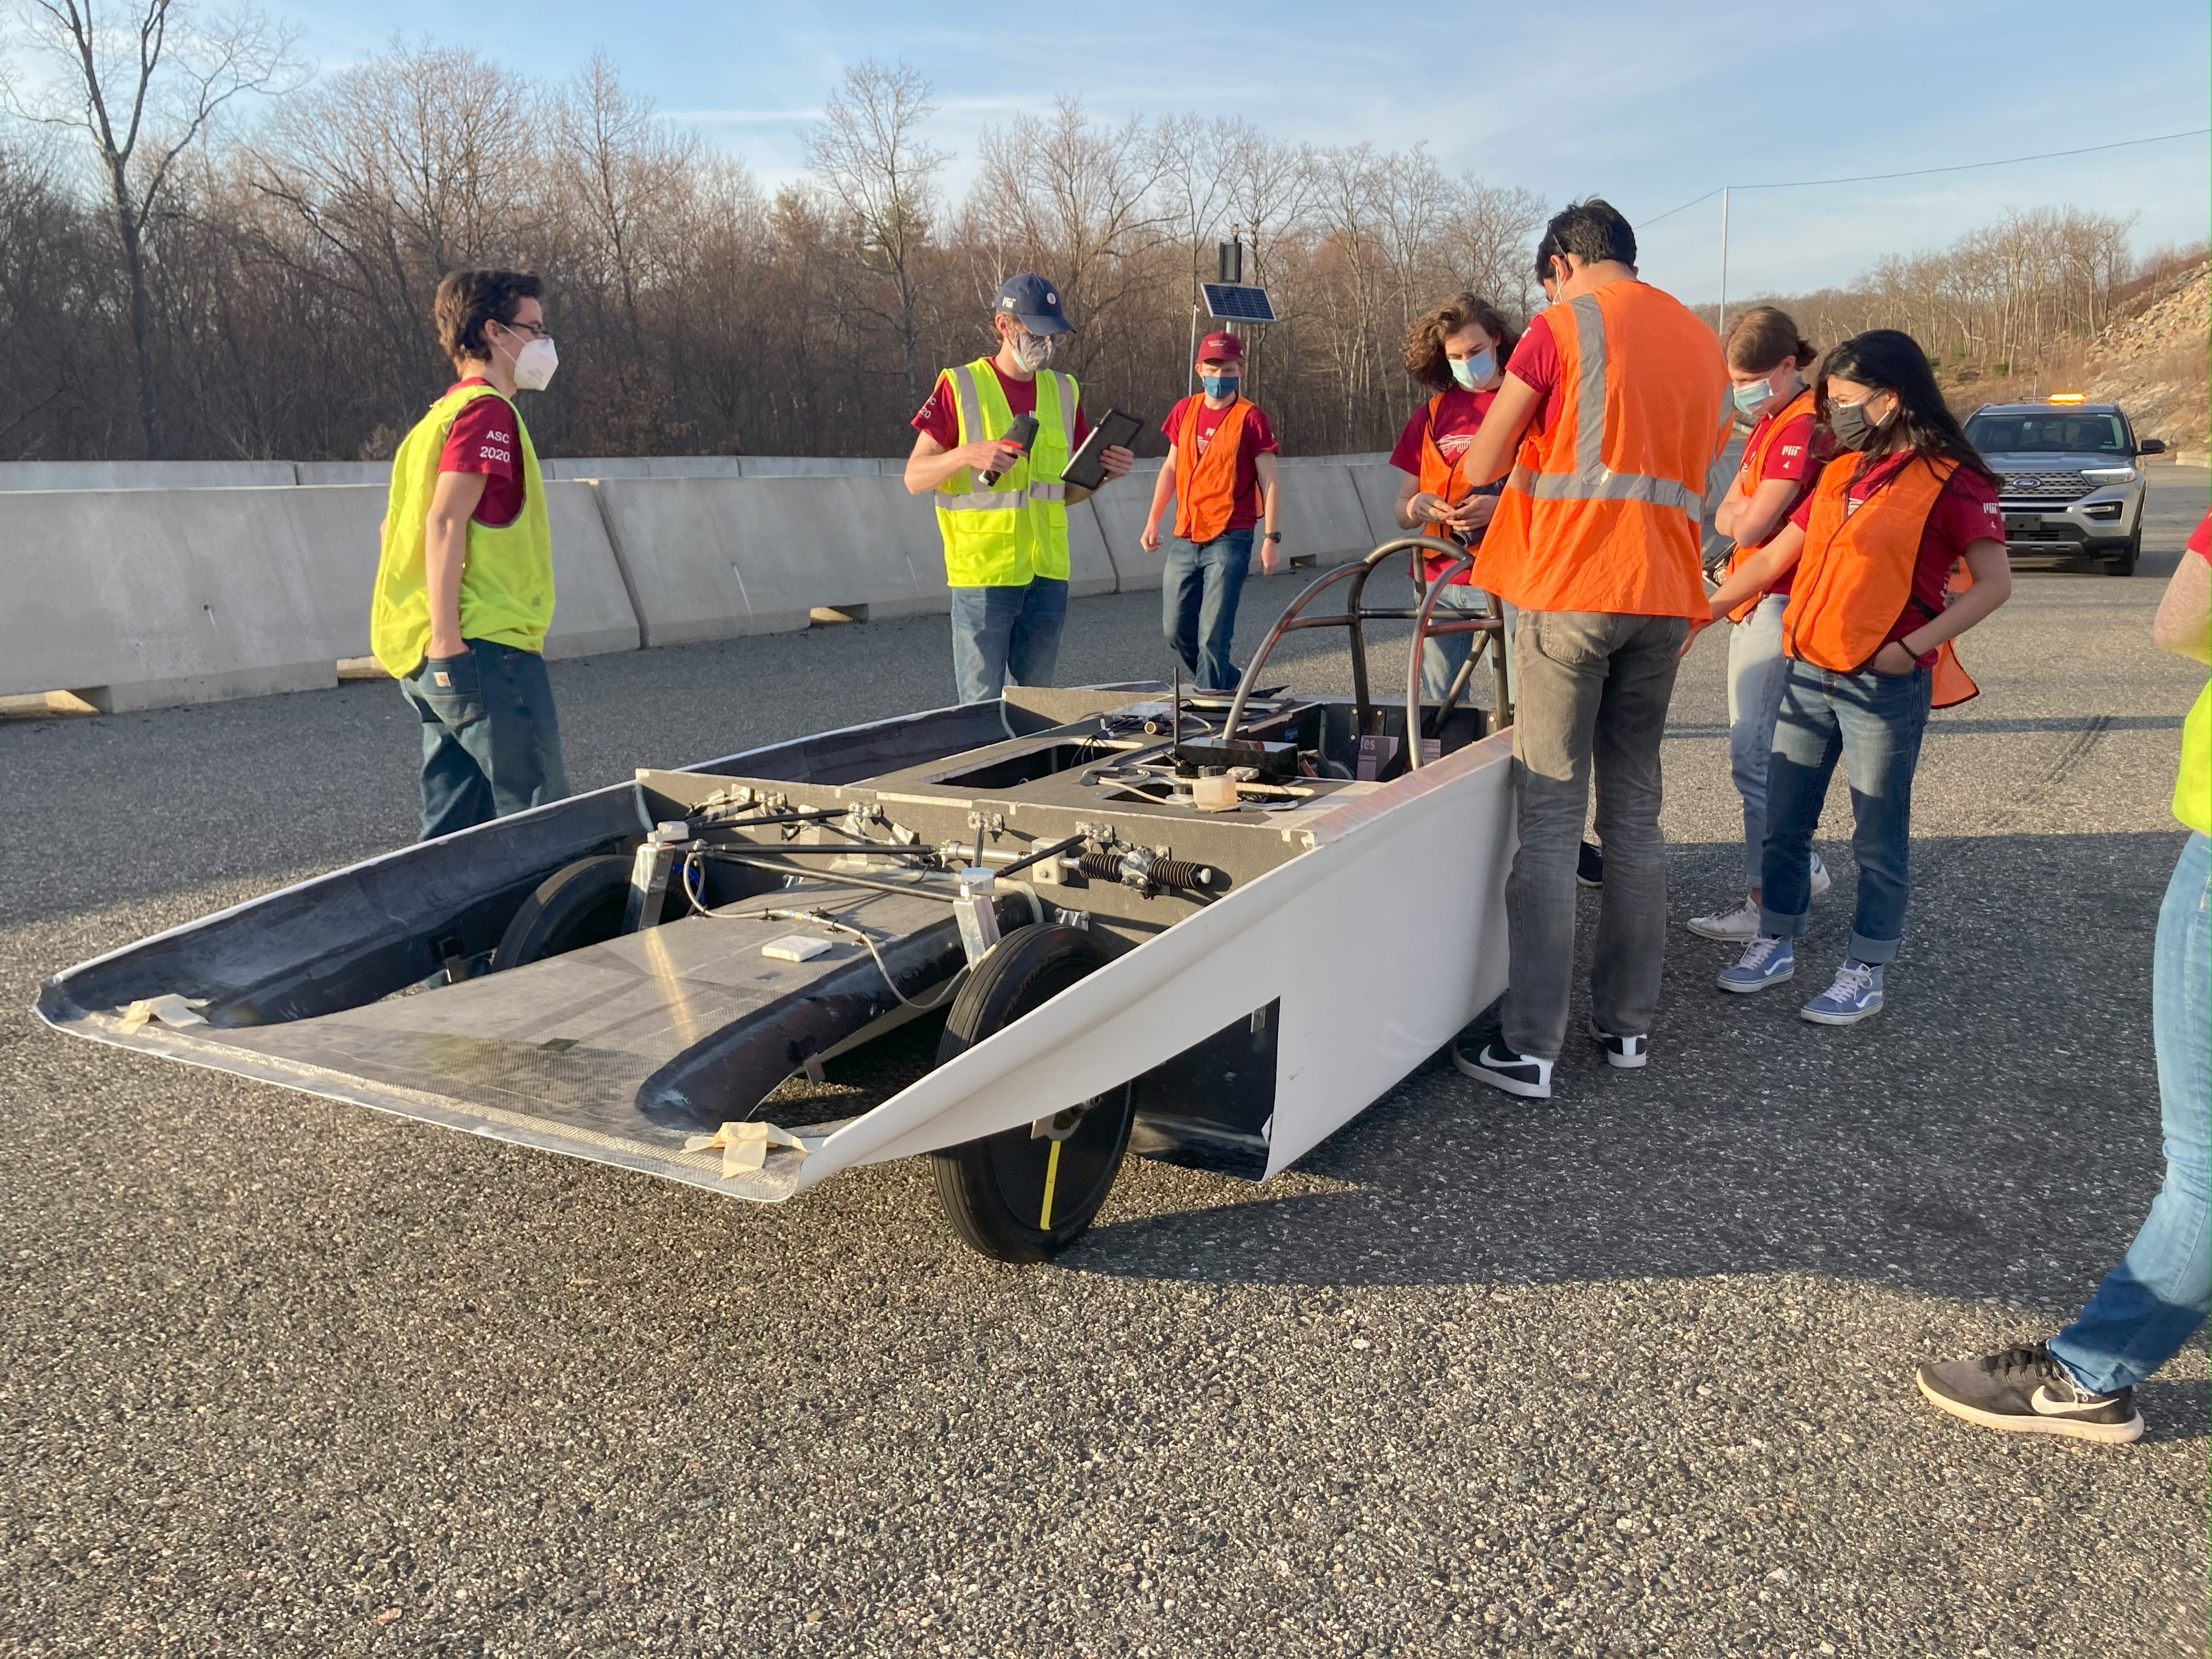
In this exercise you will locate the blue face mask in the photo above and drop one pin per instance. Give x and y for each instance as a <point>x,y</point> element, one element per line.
<point>1472,372</point>
<point>1750,399</point>
<point>1218,385</point>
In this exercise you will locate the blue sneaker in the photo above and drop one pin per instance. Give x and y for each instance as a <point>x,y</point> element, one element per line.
<point>1769,960</point>
<point>1856,994</point>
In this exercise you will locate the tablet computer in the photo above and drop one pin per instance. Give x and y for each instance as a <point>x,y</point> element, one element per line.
<point>1115,429</point>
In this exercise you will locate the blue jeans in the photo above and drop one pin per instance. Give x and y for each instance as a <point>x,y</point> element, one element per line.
<point>1872,723</point>
<point>2154,1300</point>
<point>1002,635</point>
<point>491,743</point>
<point>1442,653</point>
<point>1198,590</point>
<point>1757,672</point>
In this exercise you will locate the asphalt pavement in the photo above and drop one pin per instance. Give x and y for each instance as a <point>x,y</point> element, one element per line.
<point>1629,1372</point>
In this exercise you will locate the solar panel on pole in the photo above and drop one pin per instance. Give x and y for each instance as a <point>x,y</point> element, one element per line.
<point>1235,302</point>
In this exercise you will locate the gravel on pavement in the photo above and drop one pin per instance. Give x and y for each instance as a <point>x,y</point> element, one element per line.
<point>1628,1372</point>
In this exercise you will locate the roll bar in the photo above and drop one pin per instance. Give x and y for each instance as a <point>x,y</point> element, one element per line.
<point>1354,617</point>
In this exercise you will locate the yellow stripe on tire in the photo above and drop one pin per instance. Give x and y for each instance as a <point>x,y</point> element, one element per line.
<point>1051,1176</point>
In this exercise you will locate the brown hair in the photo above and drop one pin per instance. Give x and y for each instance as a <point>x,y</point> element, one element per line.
<point>1424,341</point>
<point>467,300</point>
<point>1761,337</point>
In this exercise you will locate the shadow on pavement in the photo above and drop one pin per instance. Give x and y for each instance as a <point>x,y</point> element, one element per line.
<point>1993,1134</point>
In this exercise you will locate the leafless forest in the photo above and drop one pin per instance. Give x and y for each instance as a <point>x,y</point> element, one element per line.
<point>205,253</point>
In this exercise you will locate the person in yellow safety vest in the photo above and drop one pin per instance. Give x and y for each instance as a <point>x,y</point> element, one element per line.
<point>465,582</point>
<point>1006,535</point>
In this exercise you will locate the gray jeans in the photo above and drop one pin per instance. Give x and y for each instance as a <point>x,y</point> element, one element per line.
<point>1594,688</point>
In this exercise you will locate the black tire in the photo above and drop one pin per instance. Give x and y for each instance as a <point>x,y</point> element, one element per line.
<point>578,904</point>
<point>1020,1196</point>
<point>2125,564</point>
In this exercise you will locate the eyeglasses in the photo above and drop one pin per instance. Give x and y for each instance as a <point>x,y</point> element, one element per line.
<point>537,330</point>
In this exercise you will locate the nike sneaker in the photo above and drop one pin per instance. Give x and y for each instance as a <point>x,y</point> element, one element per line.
<point>1495,1061</point>
<point>1627,1052</point>
<point>2023,1390</point>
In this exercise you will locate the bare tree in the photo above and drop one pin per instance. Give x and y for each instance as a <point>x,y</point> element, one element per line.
<point>868,151</point>
<point>623,169</point>
<point>157,82</point>
<point>1080,199</point>
<point>1487,239</point>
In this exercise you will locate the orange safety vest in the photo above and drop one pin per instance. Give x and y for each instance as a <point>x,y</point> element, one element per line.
<point>1205,485</point>
<point>1448,479</point>
<point>1753,473</point>
<point>1604,510</point>
<point>1854,576</point>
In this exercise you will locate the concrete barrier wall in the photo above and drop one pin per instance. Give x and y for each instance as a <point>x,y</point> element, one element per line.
<point>1323,513</point>
<point>592,611</point>
<point>235,475</point>
<point>144,599</point>
<point>146,475</point>
<point>146,596</point>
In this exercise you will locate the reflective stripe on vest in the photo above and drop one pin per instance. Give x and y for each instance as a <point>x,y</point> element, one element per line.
<point>1854,576</point>
<point>1752,474</point>
<point>1603,512</point>
<point>1439,477</point>
<point>1205,485</point>
<point>1001,535</point>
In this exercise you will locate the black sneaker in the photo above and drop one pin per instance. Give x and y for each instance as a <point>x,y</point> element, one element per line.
<point>2023,1390</point>
<point>1494,1061</point>
<point>1590,867</point>
<point>1628,1053</point>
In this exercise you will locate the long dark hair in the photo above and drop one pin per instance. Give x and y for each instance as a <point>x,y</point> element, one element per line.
<point>1891,361</point>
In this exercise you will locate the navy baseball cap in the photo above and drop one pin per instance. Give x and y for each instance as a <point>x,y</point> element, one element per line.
<point>1035,303</point>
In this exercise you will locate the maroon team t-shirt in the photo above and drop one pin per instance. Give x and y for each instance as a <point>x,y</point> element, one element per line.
<point>1458,416</point>
<point>1256,439</point>
<point>483,438</point>
<point>1535,364</point>
<point>1966,513</point>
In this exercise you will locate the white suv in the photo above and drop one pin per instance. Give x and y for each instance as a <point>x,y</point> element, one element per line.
<point>2070,487</point>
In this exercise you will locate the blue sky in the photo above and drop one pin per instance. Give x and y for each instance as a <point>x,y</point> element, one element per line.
<point>1648,104</point>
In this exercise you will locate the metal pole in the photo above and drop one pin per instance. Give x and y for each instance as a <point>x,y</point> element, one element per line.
<point>1193,351</point>
<point>1724,208</point>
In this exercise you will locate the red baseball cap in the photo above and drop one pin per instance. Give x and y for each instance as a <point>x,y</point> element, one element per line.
<point>1221,344</point>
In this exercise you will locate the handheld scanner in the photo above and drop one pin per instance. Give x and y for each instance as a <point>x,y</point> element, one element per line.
<point>1022,433</point>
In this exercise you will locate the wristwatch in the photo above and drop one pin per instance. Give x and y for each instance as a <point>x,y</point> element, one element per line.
<point>1274,535</point>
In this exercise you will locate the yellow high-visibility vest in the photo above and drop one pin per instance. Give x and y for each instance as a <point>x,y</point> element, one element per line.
<point>999,535</point>
<point>506,584</point>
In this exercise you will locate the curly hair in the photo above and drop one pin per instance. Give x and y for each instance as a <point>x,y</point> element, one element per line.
<point>467,300</point>
<point>1424,341</point>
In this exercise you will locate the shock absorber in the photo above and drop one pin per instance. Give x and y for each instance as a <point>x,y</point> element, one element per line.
<point>1144,869</point>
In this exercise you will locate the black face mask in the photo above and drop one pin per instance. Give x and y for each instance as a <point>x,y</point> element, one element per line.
<point>1852,428</point>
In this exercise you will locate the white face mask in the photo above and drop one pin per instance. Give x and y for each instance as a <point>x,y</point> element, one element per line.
<point>534,365</point>
<point>1034,351</point>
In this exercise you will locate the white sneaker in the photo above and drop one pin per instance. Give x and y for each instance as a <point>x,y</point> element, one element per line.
<point>1736,927</point>
<point>1822,881</point>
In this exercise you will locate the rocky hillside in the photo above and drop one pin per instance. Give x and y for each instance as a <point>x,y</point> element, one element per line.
<point>2153,364</point>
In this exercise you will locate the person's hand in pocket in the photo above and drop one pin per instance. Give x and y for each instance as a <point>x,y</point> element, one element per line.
<point>1894,658</point>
